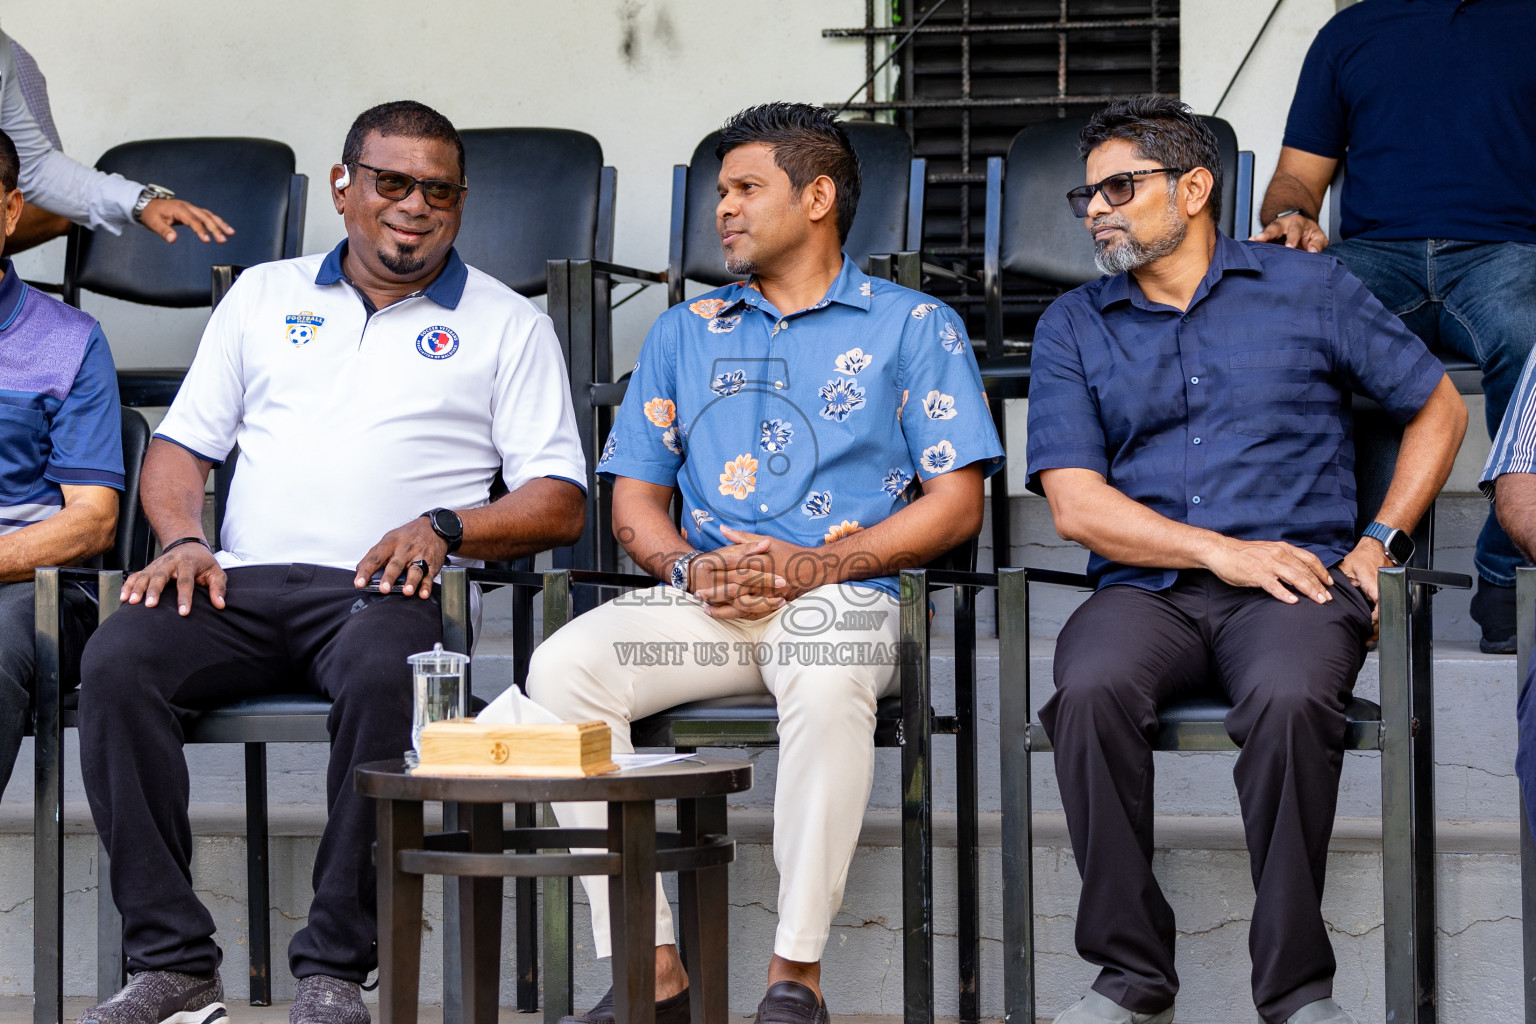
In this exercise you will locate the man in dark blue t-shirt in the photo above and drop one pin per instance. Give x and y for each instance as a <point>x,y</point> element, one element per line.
<point>1434,103</point>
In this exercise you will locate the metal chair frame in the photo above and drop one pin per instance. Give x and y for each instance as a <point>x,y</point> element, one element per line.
<point>908,722</point>
<point>1525,634</point>
<point>1401,727</point>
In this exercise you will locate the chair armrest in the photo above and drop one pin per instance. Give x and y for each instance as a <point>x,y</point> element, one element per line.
<point>493,578</point>
<point>945,273</point>
<point>223,279</point>
<point>1057,578</point>
<point>618,270</point>
<point>1437,578</point>
<point>47,286</point>
<point>596,578</point>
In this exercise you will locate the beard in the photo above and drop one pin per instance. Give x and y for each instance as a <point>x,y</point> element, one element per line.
<point>740,266</point>
<point>1130,252</point>
<point>403,261</point>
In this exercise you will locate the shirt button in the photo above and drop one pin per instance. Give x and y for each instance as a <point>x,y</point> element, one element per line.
<point>1186,318</point>
<point>762,508</point>
<point>783,325</point>
<point>1197,440</point>
<point>1196,499</point>
<point>1194,380</point>
<point>779,384</point>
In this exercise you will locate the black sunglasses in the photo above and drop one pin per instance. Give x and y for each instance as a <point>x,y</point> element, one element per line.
<point>395,185</point>
<point>1117,189</point>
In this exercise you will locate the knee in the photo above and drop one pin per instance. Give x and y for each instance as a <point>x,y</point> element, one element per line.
<point>556,669</point>
<point>831,699</point>
<point>118,660</point>
<point>1286,705</point>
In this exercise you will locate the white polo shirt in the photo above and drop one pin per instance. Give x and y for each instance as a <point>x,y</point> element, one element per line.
<point>350,424</point>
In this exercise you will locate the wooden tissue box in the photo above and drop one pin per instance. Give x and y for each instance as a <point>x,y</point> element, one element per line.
<point>463,746</point>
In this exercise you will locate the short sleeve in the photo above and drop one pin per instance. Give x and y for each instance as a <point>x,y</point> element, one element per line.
<point>1319,119</point>
<point>1384,360</point>
<point>648,437</point>
<point>1514,449</point>
<point>86,434</point>
<point>1065,429</point>
<point>532,423</point>
<point>944,416</point>
<point>206,415</point>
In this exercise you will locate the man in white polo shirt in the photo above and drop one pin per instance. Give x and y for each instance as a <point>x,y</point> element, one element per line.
<point>374,394</point>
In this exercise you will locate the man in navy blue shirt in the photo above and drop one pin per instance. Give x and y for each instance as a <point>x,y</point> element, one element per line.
<point>1189,423</point>
<point>1434,102</point>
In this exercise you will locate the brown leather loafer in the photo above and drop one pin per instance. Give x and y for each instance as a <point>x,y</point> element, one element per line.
<point>789,1002</point>
<point>673,1010</point>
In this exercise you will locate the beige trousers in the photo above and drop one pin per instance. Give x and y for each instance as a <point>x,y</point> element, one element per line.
<point>827,657</point>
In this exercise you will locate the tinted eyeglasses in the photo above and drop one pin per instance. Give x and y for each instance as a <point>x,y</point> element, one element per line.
<point>397,186</point>
<point>1117,189</point>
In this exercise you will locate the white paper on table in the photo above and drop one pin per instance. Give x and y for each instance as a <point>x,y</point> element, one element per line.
<point>513,708</point>
<point>628,762</point>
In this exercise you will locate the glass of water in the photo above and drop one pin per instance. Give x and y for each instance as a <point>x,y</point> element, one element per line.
<point>440,689</point>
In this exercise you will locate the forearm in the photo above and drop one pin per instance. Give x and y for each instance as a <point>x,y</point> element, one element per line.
<point>539,515</point>
<point>646,531</point>
<point>69,536</point>
<point>1090,512</point>
<point>1515,502</point>
<point>172,490</point>
<point>936,522</point>
<point>1287,192</point>
<point>1425,457</point>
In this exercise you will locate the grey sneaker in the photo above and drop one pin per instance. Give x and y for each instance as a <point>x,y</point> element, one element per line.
<point>1323,1011</point>
<point>324,1000</point>
<point>162,997</point>
<point>1096,1009</point>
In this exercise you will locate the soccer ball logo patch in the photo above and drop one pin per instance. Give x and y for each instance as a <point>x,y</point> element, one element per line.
<point>437,343</point>
<point>302,327</point>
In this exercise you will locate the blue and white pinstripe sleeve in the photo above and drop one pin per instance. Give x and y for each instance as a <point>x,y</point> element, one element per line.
<point>1514,450</point>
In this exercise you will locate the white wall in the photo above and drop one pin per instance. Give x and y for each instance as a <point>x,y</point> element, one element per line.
<point>1214,35</point>
<point>648,78</point>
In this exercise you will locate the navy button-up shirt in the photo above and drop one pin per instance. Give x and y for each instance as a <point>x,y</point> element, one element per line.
<point>1232,415</point>
<point>807,426</point>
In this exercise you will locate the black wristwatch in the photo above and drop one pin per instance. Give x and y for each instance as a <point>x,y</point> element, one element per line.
<point>447,525</point>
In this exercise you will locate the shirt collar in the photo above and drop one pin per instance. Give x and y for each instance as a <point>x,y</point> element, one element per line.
<point>446,289</point>
<point>1229,256</point>
<point>851,287</point>
<point>13,291</point>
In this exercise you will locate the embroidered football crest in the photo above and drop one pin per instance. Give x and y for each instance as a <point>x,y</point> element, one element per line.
<point>437,343</point>
<point>302,327</point>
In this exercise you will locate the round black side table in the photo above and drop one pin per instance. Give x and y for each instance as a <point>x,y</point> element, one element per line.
<point>483,853</point>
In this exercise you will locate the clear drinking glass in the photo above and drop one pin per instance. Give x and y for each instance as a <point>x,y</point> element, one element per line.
<point>440,689</point>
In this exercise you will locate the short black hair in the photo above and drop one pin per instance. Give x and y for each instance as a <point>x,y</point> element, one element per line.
<point>1164,130</point>
<point>403,118</point>
<point>10,163</point>
<point>807,142</point>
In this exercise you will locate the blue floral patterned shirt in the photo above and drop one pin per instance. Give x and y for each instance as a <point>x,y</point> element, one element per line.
<point>808,426</point>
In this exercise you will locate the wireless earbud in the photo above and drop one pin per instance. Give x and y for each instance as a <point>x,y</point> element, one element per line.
<point>345,179</point>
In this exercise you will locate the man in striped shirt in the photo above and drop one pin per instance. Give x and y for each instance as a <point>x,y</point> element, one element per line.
<point>1509,481</point>
<point>61,457</point>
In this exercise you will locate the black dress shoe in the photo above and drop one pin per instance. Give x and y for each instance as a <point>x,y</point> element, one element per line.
<point>673,1010</point>
<point>789,1002</point>
<point>1493,608</point>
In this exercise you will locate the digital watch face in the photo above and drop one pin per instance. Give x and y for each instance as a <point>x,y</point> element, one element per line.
<point>1400,547</point>
<point>447,524</point>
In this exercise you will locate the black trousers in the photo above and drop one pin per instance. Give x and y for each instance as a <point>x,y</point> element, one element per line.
<point>145,674</point>
<point>1287,669</point>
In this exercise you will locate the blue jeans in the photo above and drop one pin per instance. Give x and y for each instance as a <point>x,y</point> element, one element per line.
<point>1476,299</point>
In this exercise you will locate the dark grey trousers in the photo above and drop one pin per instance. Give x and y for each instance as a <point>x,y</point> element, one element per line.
<point>1287,669</point>
<point>18,659</point>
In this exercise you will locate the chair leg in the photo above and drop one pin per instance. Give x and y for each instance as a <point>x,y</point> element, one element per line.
<point>527,919</point>
<point>1002,527</point>
<point>702,897</point>
<point>453,992</point>
<point>968,840</point>
<point>48,804</point>
<point>258,884</point>
<point>558,954</point>
<point>916,803</point>
<point>111,965</point>
<point>1014,766</point>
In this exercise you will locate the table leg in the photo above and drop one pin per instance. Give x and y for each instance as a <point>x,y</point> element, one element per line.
<point>399,897</point>
<point>702,898</point>
<point>632,906</point>
<point>480,919</point>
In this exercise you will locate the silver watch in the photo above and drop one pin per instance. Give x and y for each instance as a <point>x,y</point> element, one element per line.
<point>679,578</point>
<point>149,195</point>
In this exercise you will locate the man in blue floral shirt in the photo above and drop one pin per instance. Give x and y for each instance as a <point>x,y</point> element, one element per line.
<point>817,453</point>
